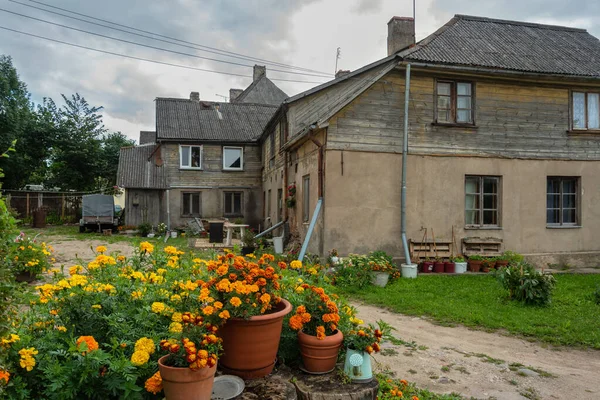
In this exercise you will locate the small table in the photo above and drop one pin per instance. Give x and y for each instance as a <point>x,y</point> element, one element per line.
<point>230,228</point>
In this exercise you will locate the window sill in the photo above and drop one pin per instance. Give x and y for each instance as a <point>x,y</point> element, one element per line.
<point>563,226</point>
<point>232,170</point>
<point>583,132</point>
<point>190,169</point>
<point>458,125</point>
<point>483,228</point>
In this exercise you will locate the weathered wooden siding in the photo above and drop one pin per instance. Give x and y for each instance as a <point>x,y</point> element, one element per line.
<point>143,205</point>
<point>513,120</point>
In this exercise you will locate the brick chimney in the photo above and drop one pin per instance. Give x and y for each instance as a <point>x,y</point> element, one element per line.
<point>259,71</point>
<point>234,94</point>
<point>401,34</point>
<point>341,73</point>
<point>195,96</point>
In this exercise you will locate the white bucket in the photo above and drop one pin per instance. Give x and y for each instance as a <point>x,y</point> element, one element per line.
<point>278,244</point>
<point>460,267</point>
<point>380,278</point>
<point>409,270</point>
<point>173,234</point>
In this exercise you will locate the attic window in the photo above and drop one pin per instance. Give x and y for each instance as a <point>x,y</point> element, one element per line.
<point>454,102</point>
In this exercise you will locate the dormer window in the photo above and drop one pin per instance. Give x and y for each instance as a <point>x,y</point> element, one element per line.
<point>190,157</point>
<point>454,102</point>
<point>586,111</point>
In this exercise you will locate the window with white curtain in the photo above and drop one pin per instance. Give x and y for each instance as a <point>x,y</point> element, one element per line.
<point>482,201</point>
<point>586,111</point>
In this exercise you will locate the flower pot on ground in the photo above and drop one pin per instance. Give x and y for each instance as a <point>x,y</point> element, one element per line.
<point>427,267</point>
<point>460,265</point>
<point>250,345</point>
<point>475,262</point>
<point>316,321</point>
<point>438,266</point>
<point>320,355</point>
<point>501,264</point>
<point>183,383</point>
<point>449,267</point>
<point>409,270</point>
<point>380,278</point>
<point>248,242</point>
<point>488,264</point>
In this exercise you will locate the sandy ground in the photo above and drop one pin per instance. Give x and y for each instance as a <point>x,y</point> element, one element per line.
<point>476,363</point>
<point>67,251</point>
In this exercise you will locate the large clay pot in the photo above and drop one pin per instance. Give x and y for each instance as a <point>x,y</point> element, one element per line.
<point>320,356</point>
<point>185,383</point>
<point>475,265</point>
<point>250,345</point>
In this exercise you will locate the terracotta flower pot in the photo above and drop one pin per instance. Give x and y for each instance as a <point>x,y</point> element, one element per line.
<point>475,265</point>
<point>449,267</point>
<point>250,346</point>
<point>501,264</point>
<point>186,384</point>
<point>320,356</point>
<point>438,267</point>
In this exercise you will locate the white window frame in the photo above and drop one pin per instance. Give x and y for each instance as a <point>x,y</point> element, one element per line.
<point>181,146</point>
<point>241,149</point>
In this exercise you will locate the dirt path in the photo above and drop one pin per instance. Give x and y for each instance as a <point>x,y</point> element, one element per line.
<point>67,250</point>
<point>478,364</point>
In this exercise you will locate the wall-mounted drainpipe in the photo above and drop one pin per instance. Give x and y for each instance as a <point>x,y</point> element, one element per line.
<point>404,162</point>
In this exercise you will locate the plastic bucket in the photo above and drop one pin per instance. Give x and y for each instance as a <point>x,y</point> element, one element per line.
<point>409,270</point>
<point>278,244</point>
<point>460,267</point>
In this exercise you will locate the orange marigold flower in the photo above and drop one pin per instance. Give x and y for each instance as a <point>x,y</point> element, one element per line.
<point>265,298</point>
<point>305,317</point>
<point>154,383</point>
<point>224,314</point>
<point>282,265</point>
<point>300,310</point>
<point>414,398</point>
<point>369,349</point>
<point>320,332</point>
<point>296,322</point>
<point>208,310</point>
<point>90,343</point>
<point>217,305</point>
<point>4,375</point>
<point>261,282</point>
<point>222,270</point>
<point>403,382</point>
<point>235,301</point>
<point>361,333</point>
<point>376,347</point>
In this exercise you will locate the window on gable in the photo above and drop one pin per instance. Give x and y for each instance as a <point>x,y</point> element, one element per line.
<point>586,111</point>
<point>191,204</point>
<point>233,158</point>
<point>233,204</point>
<point>190,157</point>
<point>562,201</point>
<point>454,102</point>
<point>482,201</point>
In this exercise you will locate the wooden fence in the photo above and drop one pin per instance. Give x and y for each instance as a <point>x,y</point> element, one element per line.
<point>60,207</point>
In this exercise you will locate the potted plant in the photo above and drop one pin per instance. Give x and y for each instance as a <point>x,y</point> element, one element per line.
<point>248,295</point>
<point>488,264</point>
<point>475,262</point>
<point>28,259</point>
<point>510,258</point>
<point>248,242</point>
<point>188,369</point>
<point>460,265</point>
<point>502,260</point>
<point>382,266</point>
<point>316,321</point>
<point>427,266</point>
<point>360,342</point>
<point>438,265</point>
<point>449,266</point>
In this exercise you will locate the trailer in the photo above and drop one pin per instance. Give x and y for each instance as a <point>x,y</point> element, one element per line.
<point>98,213</point>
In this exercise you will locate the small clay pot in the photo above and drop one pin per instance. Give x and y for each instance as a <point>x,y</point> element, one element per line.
<point>185,383</point>
<point>475,265</point>
<point>320,355</point>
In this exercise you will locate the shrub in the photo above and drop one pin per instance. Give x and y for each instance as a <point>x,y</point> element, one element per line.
<point>353,271</point>
<point>596,295</point>
<point>144,229</point>
<point>27,256</point>
<point>526,284</point>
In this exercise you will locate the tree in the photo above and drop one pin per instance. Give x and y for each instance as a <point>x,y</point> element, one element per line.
<point>111,146</point>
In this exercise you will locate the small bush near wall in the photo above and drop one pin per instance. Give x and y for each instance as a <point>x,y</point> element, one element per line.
<point>526,284</point>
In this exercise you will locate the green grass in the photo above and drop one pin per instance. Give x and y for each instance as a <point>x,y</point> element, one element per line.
<point>571,319</point>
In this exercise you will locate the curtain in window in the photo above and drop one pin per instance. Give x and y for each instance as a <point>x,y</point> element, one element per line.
<point>593,118</point>
<point>472,201</point>
<point>579,110</point>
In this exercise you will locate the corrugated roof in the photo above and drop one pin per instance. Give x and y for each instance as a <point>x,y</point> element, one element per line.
<point>262,91</point>
<point>136,172</point>
<point>182,119</point>
<point>510,45</point>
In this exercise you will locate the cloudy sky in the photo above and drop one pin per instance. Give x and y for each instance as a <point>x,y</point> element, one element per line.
<point>301,33</point>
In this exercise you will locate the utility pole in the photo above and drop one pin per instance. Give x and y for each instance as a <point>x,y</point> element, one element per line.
<point>338,55</point>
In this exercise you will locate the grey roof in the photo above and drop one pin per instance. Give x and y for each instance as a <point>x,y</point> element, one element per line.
<point>510,45</point>
<point>262,91</point>
<point>147,137</point>
<point>141,167</point>
<point>182,119</point>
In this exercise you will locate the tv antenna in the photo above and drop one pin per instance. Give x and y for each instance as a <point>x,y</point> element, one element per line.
<point>224,97</point>
<point>338,55</point>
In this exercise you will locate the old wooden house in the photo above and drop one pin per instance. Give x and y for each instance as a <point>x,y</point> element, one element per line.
<point>503,143</point>
<point>203,160</point>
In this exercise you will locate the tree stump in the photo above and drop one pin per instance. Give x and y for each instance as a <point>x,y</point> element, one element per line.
<point>330,387</point>
<point>272,387</point>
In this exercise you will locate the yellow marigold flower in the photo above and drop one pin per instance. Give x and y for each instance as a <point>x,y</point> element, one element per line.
<point>299,289</point>
<point>96,306</point>
<point>137,294</point>
<point>53,312</point>
<point>10,339</point>
<point>176,298</point>
<point>158,307</point>
<point>101,249</point>
<point>154,383</point>
<point>217,305</point>
<point>146,247</point>
<point>176,317</point>
<point>139,357</point>
<point>27,360</point>
<point>224,314</point>
<point>296,264</point>
<point>161,271</point>
<point>235,301</point>
<point>208,310</point>
<point>145,344</point>
<point>4,375</point>
<point>265,298</point>
<point>121,258</point>
<point>175,327</point>
<point>61,328</point>
<point>75,269</point>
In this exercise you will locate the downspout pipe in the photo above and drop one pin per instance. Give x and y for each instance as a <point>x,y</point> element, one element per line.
<point>404,162</point>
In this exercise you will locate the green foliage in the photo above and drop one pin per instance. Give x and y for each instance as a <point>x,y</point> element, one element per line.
<point>390,389</point>
<point>476,257</point>
<point>458,259</point>
<point>596,295</point>
<point>526,284</point>
<point>144,229</point>
<point>353,271</point>
<point>511,257</point>
<point>478,301</point>
<point>27,256</point>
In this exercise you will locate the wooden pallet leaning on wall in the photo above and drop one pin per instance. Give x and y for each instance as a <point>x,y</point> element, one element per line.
<point>425,249</point>
<point>487,247</point>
